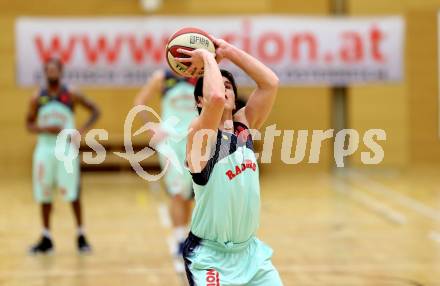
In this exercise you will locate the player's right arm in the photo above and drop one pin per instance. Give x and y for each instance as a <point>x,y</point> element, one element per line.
<point>261,100</point>
<point>213,104</point>
<point>31,119</point>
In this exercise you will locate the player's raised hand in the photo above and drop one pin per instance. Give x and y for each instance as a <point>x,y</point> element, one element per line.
<point>195,57</point>
<point>221,48</point>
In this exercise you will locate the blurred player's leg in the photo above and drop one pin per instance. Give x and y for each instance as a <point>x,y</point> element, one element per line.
<point>179,209</point>
<point>43,183</point>
<point>82,244</point>
<point>71,189</point>
<point>45,245</point>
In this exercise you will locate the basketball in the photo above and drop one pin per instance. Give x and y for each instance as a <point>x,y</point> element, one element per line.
<point>188,39</point>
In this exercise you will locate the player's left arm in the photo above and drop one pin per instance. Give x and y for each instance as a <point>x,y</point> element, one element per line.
<point>81,99</point>
<point>261,100</point>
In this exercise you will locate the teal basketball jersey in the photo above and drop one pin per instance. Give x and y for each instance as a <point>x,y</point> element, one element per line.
<point>227,191</point>
<point>54,110</point>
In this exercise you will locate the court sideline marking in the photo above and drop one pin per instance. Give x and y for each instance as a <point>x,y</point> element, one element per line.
<point>368,202</point>
<point>403,200</point>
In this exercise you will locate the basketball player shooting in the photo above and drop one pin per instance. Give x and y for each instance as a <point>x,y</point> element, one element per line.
<point>50,111</point>
<point>222,248</point>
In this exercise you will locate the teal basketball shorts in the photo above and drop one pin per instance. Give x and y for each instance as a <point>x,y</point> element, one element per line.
<point>209,263</point>
<point>49,173</point>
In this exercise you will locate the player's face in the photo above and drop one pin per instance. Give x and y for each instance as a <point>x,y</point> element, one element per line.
<point>53,73</point>
<point>229,94</point>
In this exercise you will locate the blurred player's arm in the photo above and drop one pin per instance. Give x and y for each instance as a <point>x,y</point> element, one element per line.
<point>153,87</point>
<point>261,100</point>
<point>31,119</point>
<point>213,103</point>
<point>81,99</point>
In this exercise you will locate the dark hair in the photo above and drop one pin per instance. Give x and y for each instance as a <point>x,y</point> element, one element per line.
<point>198,90</point>
<point>55,61</point>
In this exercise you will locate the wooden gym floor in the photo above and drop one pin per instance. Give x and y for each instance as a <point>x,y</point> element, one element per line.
<point>355,228</point>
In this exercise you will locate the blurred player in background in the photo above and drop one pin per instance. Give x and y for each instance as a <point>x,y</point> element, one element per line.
<point>178,104</point>
<point>222,248</point>
<point>51,110</point>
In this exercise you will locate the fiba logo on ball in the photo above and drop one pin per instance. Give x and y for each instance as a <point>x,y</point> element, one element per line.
<point>193,39</point>
<point>187,39</point>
